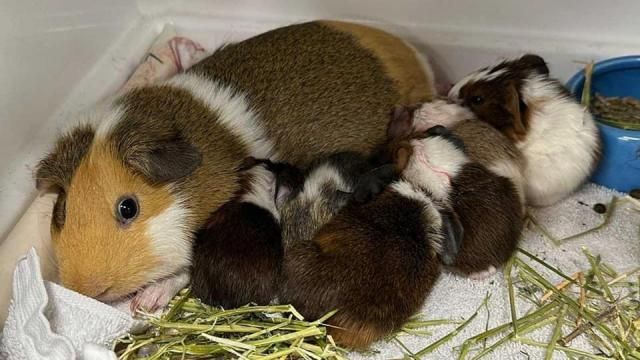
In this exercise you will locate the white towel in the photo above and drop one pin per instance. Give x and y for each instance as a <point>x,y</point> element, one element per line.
<point>47,321</point>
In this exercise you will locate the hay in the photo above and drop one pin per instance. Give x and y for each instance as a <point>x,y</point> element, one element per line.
<point>190,329</point>
<point>604,307</point>
<point>620,112</point>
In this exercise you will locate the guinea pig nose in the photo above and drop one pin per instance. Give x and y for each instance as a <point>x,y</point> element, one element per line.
<point>103,293</point>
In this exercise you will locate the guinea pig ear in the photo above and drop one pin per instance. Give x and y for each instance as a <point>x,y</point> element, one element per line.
<point>401,122</point>
<point>453,235</point>
<point>283,194</point>
<point>163,161</point>
<point>402,154</point>
<point>535,63</point>
<point>54,172</point>
<point>289,182</point>
<point>513,106</point>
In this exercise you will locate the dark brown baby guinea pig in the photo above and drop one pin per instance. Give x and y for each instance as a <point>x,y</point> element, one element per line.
<point>487,205</point>
<point>373,262</point>
<point>237,255</point>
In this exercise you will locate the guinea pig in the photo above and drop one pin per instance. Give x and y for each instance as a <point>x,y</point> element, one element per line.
<point>135,181</point>
<point>237,255</point>
<point>375,262</point>
<point>487,205</point>
<point>483,144</point>
<point>557,135</point>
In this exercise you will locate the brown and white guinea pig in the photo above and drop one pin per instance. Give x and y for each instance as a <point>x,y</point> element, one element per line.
<point>135,182</point>
<point>375,262</point>
<point>557,135</point>
<point>487,205</point>
<point>237,255</point>
<point>483,143</point>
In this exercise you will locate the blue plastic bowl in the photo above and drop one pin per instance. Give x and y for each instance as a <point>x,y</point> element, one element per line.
<point>619,168</point>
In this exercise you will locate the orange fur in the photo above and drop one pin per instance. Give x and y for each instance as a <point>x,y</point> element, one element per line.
<point>358,336</point>
<point>120,258</point>
<point>328,241</point>
<point>399,60</point>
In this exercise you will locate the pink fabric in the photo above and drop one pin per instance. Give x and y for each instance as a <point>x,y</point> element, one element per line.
<point>164,60</point>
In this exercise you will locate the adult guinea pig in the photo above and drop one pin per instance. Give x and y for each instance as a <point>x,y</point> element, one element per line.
<point>135,182</point>
<point>486,205</point>
<point>238,253</point>
<point>374,262</point>
<point>557,135</point>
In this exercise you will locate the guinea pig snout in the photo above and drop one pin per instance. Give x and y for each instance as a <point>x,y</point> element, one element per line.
<point>88,286</point>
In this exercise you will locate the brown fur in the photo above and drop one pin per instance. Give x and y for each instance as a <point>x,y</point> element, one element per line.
<point>398,59</point>
<point>161,115</point>
<point>309,84</point>
<point>490,212</point>
<point>56,170</point>
<point>374,262</point>
<point>487,206</point>
<point>238,253</point>
<point>317,85</point>
<point>501,109</point>
<point>355,334</point>
<point>485,145</point>
<point>502,106</point>
<point>237,257</point>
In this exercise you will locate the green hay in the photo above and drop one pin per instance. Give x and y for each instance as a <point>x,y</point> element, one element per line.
<point>190,329</point>
<point>620,112</point>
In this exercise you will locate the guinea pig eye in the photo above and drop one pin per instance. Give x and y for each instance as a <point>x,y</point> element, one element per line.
<point>127,209</point>
<point>477,100</point>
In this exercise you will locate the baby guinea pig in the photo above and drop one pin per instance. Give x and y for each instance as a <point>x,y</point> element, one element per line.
<point>375,262</point>
<point>483,144</point>
<point>557,135</point>
<point>487,205</point>
<point>237,255</point>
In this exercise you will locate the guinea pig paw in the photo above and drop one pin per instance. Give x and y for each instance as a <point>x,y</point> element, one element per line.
<point>482,275</point>
<point>151,298</point>
<point>157,295</point>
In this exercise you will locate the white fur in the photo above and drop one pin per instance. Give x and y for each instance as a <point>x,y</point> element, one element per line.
<point>430,211</point>
<point>408,190</point>
<point>233,109</point>
<point>439,112</point>
<point>263,190</point>
<point>561,140</point>
<point>559,146</point>
<point>170,235</point>
<point>104,118</point>
<point>432,158</point>
<point>480,75</point>
<point>320,177</point>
